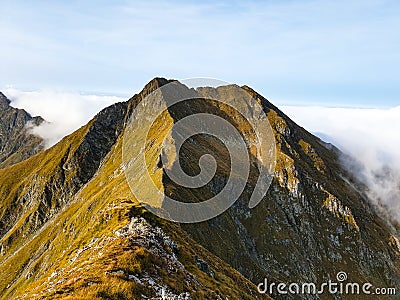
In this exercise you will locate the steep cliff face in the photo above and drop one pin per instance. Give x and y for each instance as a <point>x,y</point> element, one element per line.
<point>70,226</point>
<point>16,143</point>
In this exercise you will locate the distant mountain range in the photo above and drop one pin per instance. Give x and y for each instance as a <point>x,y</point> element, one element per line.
<point>71,228</point>
<point>16,142</point>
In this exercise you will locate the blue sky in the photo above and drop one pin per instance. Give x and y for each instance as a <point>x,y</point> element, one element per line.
<point>332,53</point>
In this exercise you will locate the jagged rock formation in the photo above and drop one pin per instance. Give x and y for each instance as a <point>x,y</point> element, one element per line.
<point>69,225</point>
<point>16,143</point>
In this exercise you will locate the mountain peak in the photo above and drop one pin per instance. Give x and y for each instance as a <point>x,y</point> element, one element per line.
<point>154,84</point>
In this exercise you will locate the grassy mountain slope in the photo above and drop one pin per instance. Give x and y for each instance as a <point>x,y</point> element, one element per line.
<point>62,212</point>
<point>70,227</point>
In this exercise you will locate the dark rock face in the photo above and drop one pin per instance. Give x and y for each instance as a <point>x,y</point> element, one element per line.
<point>203,266</point>
<point>16,143</point>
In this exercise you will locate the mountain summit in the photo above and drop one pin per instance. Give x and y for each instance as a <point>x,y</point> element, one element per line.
<point>70,226</point>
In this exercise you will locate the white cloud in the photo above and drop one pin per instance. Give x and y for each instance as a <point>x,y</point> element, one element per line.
<point>64,112</point>
<point>371,136</point>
